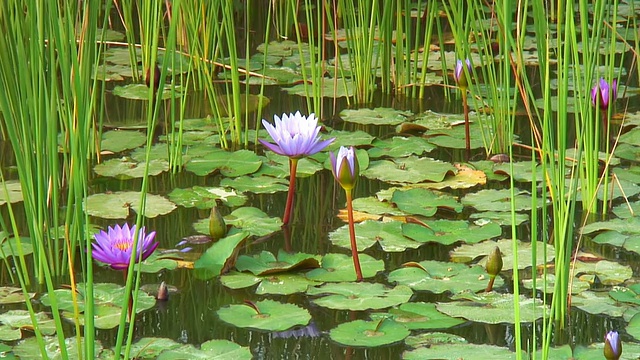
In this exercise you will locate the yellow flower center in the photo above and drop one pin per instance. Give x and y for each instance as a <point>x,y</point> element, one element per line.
<point>123,245</point>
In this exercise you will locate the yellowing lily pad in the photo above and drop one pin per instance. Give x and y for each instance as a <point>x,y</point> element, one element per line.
<point>118,205</point>
<point>267,315</point>
<point>441,277</point>
<point>369,333</point>
<point>359,296</point>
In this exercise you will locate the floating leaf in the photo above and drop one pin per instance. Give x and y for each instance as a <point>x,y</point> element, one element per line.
<point>14,246</point>
<point>254,221</point>
<point>29,349</point>
<point>13,194</point>
<point>372,205</point>
<point>369,333</point>
<point>151,347</point>
<point>205,197</point>
<point>230,164</point>
<point>124,168</point>
<point>12,295</point>
<point>499,200</point>
<point>411,170</point>
<point>278,284</point>
<point>399,146</point>
<point>118,205</point>
<point>433,338</point>
<point>447,232</point>
<point>424,202</point>
<point>419,316</point>
<point>443,277</point>
<point>268,315</point>
<point>257,184</point>
<point>627,295</point>
<point>455,138</point>
<point>459,351</point>
<point>21,320</point>
<point>387,234</point>
<point>598,303</point>
<point>359,296</point>
<point>577,285</point>
<point>606,272</point>
<point>617,232</point>
<point>121,140</point>
<point>467,253</point>
<point>339,267</point>
<point>327,89</point>
<point>377,116</point>
<point>209,350</point>
<point>492,308</point>
<point>220,256</point>
<point>141,91</point>
<point>266,263</point>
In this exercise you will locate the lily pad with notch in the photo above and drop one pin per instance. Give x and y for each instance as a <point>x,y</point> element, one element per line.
<point>13,295</point>
<point>15,321</point>
<point>30,348</point>
<point>141,91</point>
<point>419,316</point>
<point>376,116</point>
<point>125,168</point>
<point>492,308</point>
<point>374,333</point>
<point>220,257</point>
<point>604,272</point>
<point>121,140</point>
<point>339,268</point>
<point>459,351</point>
<point>13,193</point>
<point>440,277</point>
<point>209,350</point>
<point>409,170</point>
<point>253,221</point>
<point>230,164</point>
<point>265,315</point>
<point>447,232</point>
<point>469,252</point>
<point>599,303</point>
<point>12,246</point>
<point>388,234</point>
<point>359,296</point>
<point>400,146</point>
<point>118,205</point>
<point>616,232</point>
<point>424,202</point>
<point>256,184</point>
<point>205,197</point>
<point>266,263</point>
<point>499,200</point>
<point>276,284</point>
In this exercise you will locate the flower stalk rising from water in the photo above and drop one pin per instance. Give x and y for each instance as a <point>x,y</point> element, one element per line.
<point>462,79</point>
<point>345,169</point>
<point>295,136</point>
<point>602,95</point>
<point>612,346</point>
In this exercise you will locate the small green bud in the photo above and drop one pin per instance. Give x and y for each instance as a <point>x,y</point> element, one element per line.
<point>345,167</point>
<point>494,262</point>
<point>217,226</point>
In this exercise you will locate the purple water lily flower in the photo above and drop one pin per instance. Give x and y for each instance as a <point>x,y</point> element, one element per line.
<point>612,346</point>
<point>458,73</point>
<point>345,167</point>
<point>114,247</point>
<point>295,135</point>
<point>600,93</point>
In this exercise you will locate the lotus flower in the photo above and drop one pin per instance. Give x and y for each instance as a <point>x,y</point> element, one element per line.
<point>602,93</point>
<point>296,136</point>
<point>345,167</point>
<point>459,74</point>
<point>114,247</point>
<point>612,346</point>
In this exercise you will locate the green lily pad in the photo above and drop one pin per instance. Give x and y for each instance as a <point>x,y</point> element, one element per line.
<point>630,351</point>
<point>107,298</point>
<point>369,333</point>
<point>121,140</point>
<point>400,146</point>
<point>118,205</point>
<point>205,197</point>
<point>328,89</point>
<point>141,91</point>
<point>277,284</point>
<point>424,202</point>
<point>268,315</point>
<point>430,120</point>
<point>373,205</point>
<point>443,277</point>
<point>266,263</point>
<point>502,218</point>
<point>359,296</point>
<point>254,221</point>
<point>617,232</point>
<point>410,170</point>
<point>8,333</point>
<point>467,253</point>
<point>29,349</point>
<point>577,285</point>
<point>10,246</point>
<point>387,234</point>
<point>607,272</point>
<point>151,347</point>
<point>454,138</point>
<point>157,262</point>
<point>433,338</point>
<point>448,232</point>
<point>377,116</point>
<point>626,294</point>
<point>21,320</point>
<point>257,184</point>
<point>209,350</point>
<point>12,295</point>
<point>339,267</point>
<point>598,303</point>
<point>279,165</point>
<point>230,164</point>
<point>499,200</point>
<point>13,194</point>
<point>125,168</point>
<point>349,138</point>
<point>419,316</point>
<point>459,351</point>
<point>492,308</point>
<point>220,256</point>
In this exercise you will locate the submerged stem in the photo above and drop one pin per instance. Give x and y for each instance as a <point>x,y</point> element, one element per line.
<point>352,235</point>
<point>293,165</point>
<point>467,135</point>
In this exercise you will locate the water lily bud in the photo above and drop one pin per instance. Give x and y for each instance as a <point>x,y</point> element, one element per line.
<point>155,82</point>
<point>217,226</point>
<point>459,74</point>
<point>612,346</point>
<point>602,91</point>
<point>345,167</point>
<point>494,262</point>
<point>163,292</point>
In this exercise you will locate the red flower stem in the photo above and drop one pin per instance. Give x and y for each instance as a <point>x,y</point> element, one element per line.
<point>467,131</point>
<point>490,285</point>
<point>352,235</point>
<point>293,165</point>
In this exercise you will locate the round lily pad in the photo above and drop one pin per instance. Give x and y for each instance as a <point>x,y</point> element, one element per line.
<point>29,349</point>
<point>411,169</point>
<point>266,263</point>
<point>459,351</point>
<point>151,347</point>
<point>13,193</point>
<point>205,197</point>
<point>118,205</point>
<point>220,257</point>
<point>277,284</point>
<point>359,296</point>
<point>377,116</point>
<point>125,168</point>
<point>121,140</point>
<point>448,232</point>
<point>230,164</point>
<point>267,315</point>
<point>598,303</point>
<point>387,234</point>
<point>256,184</point>
<point>469,252</point>
<point>441,277</point>
<point>606,272</point>
<point>210,350</point>
<point>492,308</point>
<point>369,333</point>
<point>13,295</point>
<point>424,202</point>
<point>499,200</point>
<point>400,146</point>
<point>13,321</point>
<point>141,91</point>
<point>419,316</point>
<point>339,267</point>
<point>254,221</point>
<point>14,246</point>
